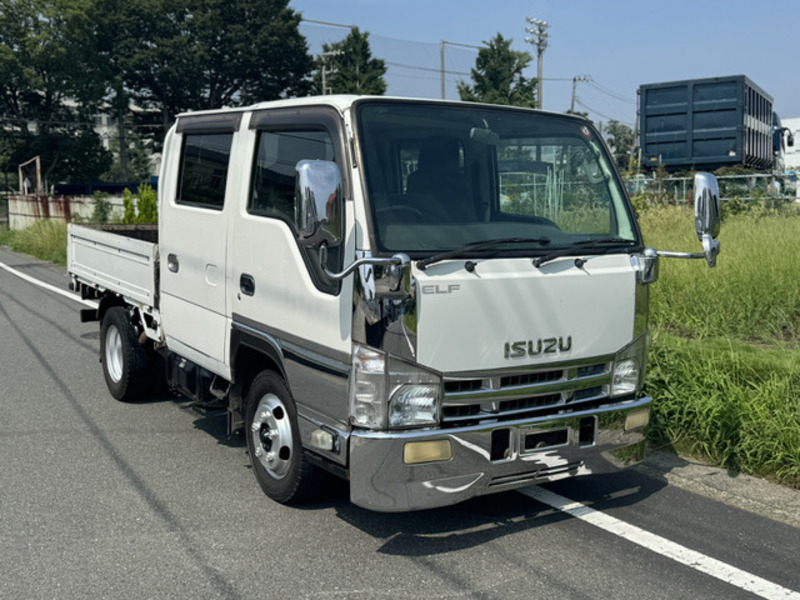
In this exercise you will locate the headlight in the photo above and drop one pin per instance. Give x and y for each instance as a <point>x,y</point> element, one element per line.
<point>629,367</point>
<point>414,405</point>
<point>389,392</point>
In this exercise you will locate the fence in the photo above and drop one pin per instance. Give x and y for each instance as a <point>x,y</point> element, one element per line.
<point>20,212</point>
<point>746,188</point>
<point>24,211</point>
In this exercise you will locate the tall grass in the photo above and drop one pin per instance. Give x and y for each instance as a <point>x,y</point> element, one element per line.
<point>735,404</point>
<point>723,365</point>
<point>752,294</point>
<point>46,240</point>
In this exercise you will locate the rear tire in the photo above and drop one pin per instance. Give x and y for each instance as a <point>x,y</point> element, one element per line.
<point>273,442</point>
<point>126,367</point>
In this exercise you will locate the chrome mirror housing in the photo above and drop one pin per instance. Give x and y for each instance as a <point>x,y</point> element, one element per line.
<point>706,220</point>
<point>318,206</point>
<point>707,215</point>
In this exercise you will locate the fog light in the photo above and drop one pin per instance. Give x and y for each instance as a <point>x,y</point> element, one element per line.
<point>424,452</point>
<point>637,419</point>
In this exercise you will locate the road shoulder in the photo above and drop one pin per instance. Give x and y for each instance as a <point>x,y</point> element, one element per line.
<point>745,492</point>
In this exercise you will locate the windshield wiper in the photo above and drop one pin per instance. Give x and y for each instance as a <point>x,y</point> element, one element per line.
<point>473,246</point>
<point>605,244</point>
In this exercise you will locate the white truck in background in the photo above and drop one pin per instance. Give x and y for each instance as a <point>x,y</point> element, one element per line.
<point>432,300</point>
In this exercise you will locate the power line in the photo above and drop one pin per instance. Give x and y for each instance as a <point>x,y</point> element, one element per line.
<point>612,93</point>
<point>598,113</point>
<point>429,69</point>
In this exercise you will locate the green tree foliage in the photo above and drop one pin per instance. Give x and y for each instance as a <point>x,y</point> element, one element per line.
<point>175,55</point>
<point>620,137</point>
<point>50,87</point>
<point>497,77</point>
<point>141,207</point>
<point>350,67</point>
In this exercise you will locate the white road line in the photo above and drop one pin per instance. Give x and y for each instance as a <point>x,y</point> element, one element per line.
<point>682,554</point>
<point>47,286</point>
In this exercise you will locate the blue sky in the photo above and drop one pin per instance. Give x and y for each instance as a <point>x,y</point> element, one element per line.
<point>621,44</point>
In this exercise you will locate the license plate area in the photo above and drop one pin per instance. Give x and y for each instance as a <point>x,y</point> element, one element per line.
<point>541,440</point>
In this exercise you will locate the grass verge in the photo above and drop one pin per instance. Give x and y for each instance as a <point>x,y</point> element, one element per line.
<point>46,240</point>
<point>723,365</point>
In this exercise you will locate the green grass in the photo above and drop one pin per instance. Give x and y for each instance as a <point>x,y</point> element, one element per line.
<point>46,240</point>
<point>724,361</point>
<point>752,294</point>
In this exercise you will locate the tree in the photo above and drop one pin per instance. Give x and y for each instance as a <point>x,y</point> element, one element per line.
<point>50,87</point>
<point>176,55</point>
<point>497,77</point>
<point>620,138</point>
<point>350,68</point>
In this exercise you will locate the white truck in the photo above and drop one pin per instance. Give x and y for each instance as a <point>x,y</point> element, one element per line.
<point>432,300</point>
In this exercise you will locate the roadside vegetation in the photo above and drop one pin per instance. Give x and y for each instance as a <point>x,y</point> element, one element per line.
<point>724,364</point>
<point>48,239</point>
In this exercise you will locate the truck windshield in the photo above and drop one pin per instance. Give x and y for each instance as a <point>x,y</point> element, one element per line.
<point>448,178</point>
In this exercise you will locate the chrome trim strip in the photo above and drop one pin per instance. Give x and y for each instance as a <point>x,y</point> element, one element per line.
<point>524,391</point>
<point>412,435</point>
<point>511,369</point>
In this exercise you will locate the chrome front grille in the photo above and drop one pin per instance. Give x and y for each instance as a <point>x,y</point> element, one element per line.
<point>524,394</point>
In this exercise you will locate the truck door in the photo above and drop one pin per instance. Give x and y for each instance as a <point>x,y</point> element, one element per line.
<point>193,240</point>
<point>279,290</point>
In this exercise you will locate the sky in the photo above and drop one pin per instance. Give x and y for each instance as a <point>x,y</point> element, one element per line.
<point>620,44</point>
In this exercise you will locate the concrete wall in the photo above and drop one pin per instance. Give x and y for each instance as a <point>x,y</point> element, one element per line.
<point>24,211</point>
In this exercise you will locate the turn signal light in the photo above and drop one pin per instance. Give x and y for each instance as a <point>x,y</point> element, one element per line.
<point>424,452</point>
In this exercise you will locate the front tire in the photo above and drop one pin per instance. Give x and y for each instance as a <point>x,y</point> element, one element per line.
<point>273,442</point>
<point>126,367</point>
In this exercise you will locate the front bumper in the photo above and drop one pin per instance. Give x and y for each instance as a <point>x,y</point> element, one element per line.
<point>493,457</point>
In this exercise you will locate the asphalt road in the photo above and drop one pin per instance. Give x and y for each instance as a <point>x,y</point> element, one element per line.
<point>100,499</point>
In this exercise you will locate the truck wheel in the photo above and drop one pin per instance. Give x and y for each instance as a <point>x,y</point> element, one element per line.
<point>125,361</point>
<point>273,441</point>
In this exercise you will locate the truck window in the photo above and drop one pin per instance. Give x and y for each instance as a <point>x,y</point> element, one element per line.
<point>272,187</point>
<point>272,191</point>
<point>556,179</point>
<point>443,176</point>
<point>204,169</point>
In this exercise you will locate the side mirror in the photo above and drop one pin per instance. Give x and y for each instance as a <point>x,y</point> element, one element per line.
<point>318,202</point>
<point>706,224</point>
<point>706,214</point>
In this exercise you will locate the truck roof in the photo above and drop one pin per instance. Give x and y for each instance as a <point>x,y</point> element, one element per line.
<point>343,102</point>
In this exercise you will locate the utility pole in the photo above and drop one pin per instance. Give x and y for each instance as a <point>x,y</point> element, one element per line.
<point>538,31</point>
<point>326,71</point>
<point>575,80</point>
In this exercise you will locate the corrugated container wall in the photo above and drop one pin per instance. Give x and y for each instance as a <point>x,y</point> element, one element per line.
<point>705,124</point>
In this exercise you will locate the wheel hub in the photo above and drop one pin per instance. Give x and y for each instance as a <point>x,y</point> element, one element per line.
<point>271,435</point>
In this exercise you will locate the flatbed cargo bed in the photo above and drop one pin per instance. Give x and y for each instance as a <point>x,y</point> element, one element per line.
<point>119,258</point>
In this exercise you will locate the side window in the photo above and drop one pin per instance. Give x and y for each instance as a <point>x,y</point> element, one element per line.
<point>272,189</point>
<point>204,169</point>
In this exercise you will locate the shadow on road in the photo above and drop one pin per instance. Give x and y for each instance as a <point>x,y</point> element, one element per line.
<point>489,518</point>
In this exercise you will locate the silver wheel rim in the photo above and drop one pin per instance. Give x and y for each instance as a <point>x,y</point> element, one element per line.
<point>114,358</point>
<point>271,434</point>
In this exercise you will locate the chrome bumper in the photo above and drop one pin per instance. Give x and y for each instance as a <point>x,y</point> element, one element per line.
<point>493,457</point>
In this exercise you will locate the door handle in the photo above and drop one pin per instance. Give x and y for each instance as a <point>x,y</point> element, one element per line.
<point>247,284</point>
<point>172,263</point>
